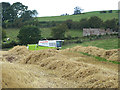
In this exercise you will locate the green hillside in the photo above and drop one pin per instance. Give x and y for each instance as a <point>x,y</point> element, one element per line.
<point>111,43</point>
<point>45,33</point>
<point>103,16</point>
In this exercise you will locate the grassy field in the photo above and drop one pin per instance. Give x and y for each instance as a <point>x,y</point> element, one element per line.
<point>74,33</point>
<point>12,33</point>
<point>106,44</point>
<point>45,33</point>
<point>103,16</point>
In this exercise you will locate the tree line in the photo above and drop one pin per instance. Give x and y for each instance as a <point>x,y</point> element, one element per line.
<point>58,32</point>
<point>16,15</point>
<point>93,22</point>
<point>31,34</point>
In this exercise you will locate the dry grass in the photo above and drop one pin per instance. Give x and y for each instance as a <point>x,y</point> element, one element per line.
<point>22,68</point>
<point>107,54</point>
<point>0,75</point>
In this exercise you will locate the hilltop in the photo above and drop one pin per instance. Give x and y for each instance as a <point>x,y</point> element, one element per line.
<point>103,16</point>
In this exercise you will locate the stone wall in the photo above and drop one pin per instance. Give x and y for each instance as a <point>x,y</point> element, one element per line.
<point>96,31</point>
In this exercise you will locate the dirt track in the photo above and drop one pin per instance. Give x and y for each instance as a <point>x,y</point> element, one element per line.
<point>55,69</point>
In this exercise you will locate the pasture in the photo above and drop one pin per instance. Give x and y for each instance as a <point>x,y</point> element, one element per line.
<point>103,16</point>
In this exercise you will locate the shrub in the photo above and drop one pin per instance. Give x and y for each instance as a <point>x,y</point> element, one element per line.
<point>69,23</point>
<point>29,35</point>
<point>112,24</point>
<point>83,23</point>
<point>102,11</point>
<point>9,45</point>
<point>58,32</point>
<point>95,22</point>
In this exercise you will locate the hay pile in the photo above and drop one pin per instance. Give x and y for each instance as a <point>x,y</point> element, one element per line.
<point>0,75</point>
<point>107,54</point>
<point>20,76</point>
<point>19,50</point>
<point>78,72</point>
<point>37,56</point>
<point>99,81</point>
<point>16,54</point>
<point>12,75</point>
<point>83,75</point>
<point>72,70</point>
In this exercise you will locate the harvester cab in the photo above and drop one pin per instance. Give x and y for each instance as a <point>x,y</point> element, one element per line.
<point>46,44</point>
<point>51,43</point>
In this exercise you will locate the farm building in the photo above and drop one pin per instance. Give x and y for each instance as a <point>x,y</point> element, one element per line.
<point>96,31</point>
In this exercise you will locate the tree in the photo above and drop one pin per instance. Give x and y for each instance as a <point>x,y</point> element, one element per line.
<point>58,32</point>
<point>5,7</point>
<point>28,15</point>
<point>77,10</point>
<point>6,13</point>
<point>22,11</point>
<point>15,14</point>
<point>3,34</point>
<point>29,35</point>
<point>110,11</point>
<point>95,22</point>
<point>83,23</point>
<point>19,9</point>
<point>112,24</point>
<point>69,23</point>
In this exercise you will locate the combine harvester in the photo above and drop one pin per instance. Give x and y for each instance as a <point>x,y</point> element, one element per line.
<point>46,44</point>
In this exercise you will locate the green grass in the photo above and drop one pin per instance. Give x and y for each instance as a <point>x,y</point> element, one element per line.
<point>45,33</point>
<point>106,44</point>
<point>74,33</point>
<point>103,16</point>
<point>100,58</point>
<point>12,34</point>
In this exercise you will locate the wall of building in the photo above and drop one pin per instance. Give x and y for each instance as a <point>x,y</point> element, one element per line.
<point>96,31</point>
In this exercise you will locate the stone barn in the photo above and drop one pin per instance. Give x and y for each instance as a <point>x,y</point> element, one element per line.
<point>96,31</point>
